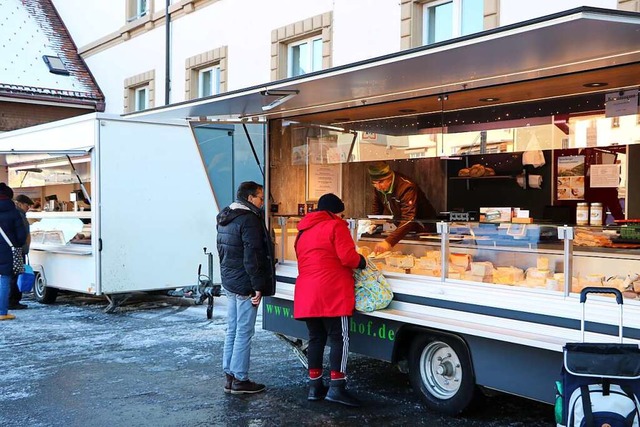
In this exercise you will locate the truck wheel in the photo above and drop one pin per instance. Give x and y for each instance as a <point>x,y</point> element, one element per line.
<point>441,374</point>
<point>44,294</point>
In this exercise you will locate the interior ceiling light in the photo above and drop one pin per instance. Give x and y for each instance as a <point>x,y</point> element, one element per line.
<point>595,84</point>
<point>489,99</point>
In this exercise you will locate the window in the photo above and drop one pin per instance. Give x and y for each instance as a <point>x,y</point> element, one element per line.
<point>443,20</point>
<point>302,47</point>
<point>304,56</point>
<point>209,81</point>
<point>430,21</point>
<point>139,92</point>
<point>137,9</point>
<point>141,98</point>
<point>55,64</point>
<point>206,73</point>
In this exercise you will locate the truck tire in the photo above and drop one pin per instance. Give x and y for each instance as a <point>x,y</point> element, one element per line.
<point>441,373</point>
<point>43,293</point>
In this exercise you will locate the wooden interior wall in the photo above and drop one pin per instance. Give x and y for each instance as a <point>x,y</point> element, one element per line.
<point>287,181</point>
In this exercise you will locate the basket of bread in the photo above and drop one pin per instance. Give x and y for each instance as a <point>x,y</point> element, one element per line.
<point>476,171</point>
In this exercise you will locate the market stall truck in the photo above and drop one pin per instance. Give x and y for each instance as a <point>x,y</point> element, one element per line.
<point>125,206</point>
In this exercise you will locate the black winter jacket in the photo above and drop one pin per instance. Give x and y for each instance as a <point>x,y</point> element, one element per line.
<point>245,250</point>
<point>14,228</point>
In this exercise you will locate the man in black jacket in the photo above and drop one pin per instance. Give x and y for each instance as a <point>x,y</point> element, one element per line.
<point>247,271</point>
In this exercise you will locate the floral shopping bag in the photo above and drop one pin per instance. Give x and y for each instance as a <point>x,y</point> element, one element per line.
<point>373,292</point>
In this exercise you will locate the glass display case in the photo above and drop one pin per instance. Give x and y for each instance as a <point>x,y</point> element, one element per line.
<point>533,256</point>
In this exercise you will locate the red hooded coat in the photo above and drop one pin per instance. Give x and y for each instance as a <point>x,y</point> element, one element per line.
<point>326,259</point>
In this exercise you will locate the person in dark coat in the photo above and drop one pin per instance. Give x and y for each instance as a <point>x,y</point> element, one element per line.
<point>13,227</point>
<point>23,203</point>
<point>247,270</point>
<point>324,295</point>
<point>401,197</point>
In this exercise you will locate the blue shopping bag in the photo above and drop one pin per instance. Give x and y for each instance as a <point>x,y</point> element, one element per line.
<point>26,279</point>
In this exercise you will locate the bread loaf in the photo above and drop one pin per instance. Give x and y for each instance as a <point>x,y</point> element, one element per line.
<point>463,172</point>
<point>476,170</point>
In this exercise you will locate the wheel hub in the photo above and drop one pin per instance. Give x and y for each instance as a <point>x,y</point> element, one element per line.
<point>441,370</point>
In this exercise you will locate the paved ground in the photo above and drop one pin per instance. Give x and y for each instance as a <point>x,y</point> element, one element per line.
<point>156,362</point>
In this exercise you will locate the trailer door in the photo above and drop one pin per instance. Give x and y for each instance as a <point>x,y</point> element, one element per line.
<point>231,153</point>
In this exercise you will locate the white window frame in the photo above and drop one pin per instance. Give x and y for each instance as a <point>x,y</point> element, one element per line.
<point>456,23</point>
<point>142,7</point>
<point>215,80</point>
<point>141,94</point>
<point>310,41</point>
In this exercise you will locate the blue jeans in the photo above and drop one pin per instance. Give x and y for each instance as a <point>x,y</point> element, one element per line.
<point>5,283</point>
<point>241,325</point>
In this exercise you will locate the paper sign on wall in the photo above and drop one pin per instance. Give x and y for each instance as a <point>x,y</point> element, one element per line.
<point>621,103</point>
<point>605,176</point>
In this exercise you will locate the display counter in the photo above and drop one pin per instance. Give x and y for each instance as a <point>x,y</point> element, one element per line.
<point>550,257</point>
<point>61,232</point>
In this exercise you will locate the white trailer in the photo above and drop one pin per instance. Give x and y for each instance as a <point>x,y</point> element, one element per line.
<point>151,209</point>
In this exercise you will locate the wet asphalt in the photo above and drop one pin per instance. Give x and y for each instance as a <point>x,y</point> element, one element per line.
<point>157,362</point>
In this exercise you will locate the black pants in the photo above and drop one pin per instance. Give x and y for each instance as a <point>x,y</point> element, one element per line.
<point>14,294</point>
<point>336,329</point>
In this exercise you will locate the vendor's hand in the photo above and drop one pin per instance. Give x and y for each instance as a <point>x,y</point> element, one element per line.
<point>383,246</point>
<point>255,299</point>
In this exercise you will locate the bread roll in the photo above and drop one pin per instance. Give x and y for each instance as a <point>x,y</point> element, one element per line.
<point>489,171</point>
<point>476,170</point>
<point>463,172</point>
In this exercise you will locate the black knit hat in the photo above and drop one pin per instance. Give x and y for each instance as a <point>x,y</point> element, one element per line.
<point>330,202</point>
<point>5,191</point>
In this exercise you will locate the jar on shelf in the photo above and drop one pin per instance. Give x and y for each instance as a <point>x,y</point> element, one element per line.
<point>595,214</point>
<point>582,214</point>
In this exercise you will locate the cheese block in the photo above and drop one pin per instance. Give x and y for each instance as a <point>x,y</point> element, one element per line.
<point>454,275</point>
<point>560,278</point>
<point>427,263</point>
<point>508,275</point>
<point>434,272</point>
<point>435,255</point>
<point>402,261</point>
<point>392,269</point>
<point>473,278</point>
<point>542,263</point>
<point>484,268</point>
<point>460,260</point>
<point>535,273</point>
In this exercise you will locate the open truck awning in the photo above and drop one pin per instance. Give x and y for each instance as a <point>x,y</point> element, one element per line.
<point>74,136</point>
<point>592,43</point>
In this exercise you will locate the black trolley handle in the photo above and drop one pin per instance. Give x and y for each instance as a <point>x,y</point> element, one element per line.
<point>599,290</point>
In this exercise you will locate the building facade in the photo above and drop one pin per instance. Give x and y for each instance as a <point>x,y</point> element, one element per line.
<point>221,46</point>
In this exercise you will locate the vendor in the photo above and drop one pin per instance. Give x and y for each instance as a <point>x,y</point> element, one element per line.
<point>399,196</point>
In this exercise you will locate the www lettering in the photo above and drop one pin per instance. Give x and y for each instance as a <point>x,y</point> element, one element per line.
<point>367,328</point>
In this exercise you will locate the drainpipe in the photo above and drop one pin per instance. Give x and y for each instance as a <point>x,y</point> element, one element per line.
<point>167,70</point>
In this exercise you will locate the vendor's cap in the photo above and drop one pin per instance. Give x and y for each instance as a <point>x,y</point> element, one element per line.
<point>24,199</point>
<point>379,170</point>
<point>330,202</point>
<point>5,191</point>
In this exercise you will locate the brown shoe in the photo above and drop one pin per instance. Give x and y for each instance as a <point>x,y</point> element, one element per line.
<point>246,387</point>
<point>7,317</point>
<point>228,383</point>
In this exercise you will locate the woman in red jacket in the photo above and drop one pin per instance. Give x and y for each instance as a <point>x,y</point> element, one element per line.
<point>324,294</point>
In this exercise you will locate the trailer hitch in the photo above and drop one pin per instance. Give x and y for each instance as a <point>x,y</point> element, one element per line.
<point>205,290</point>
